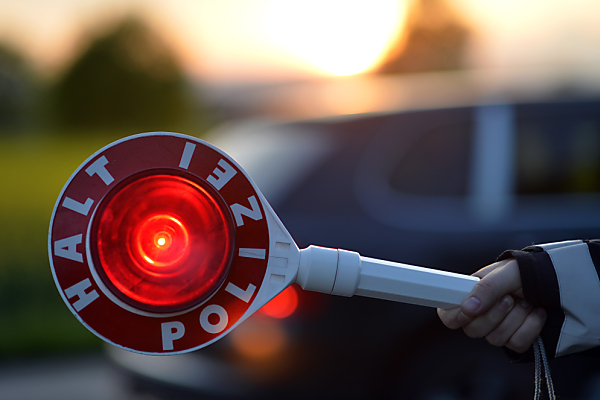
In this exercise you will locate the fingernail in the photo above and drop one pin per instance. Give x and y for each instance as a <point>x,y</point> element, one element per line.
<point>525,304</point>
<point>506,303</point>
<point>462,318</point>
<point>471,305</point>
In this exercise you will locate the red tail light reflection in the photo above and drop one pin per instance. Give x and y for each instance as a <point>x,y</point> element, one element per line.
<point>283,305</point>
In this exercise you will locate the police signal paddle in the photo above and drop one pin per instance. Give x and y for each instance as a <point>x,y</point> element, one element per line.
<point>160,243</point>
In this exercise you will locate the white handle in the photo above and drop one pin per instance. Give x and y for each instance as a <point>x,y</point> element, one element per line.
<point>414,285</point>
<point>346,273</point>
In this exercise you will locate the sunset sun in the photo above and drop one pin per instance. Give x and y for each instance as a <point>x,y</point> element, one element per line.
<point>336,37</point>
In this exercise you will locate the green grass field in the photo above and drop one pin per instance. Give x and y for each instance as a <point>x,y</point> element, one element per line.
<point>33,318</point>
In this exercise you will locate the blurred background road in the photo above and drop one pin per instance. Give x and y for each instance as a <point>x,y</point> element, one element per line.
<point>326,80</point>
<point>62,378</point>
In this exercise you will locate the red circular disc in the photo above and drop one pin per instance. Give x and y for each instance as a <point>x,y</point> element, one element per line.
<point>163,241</point>
<point>159,243</point>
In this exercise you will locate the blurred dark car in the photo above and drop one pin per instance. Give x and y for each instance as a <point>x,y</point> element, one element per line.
<point>445,187</point>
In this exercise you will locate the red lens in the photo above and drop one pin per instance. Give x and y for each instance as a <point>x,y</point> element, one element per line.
<point>164,241</point>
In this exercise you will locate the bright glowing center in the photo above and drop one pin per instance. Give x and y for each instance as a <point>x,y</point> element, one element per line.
<point>162,240</point>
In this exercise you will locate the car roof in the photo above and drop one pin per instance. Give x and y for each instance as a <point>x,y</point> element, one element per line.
<point>347,96</point>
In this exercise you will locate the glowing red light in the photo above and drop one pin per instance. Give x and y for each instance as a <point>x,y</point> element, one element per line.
<point>283,305</point>
<point>161,240</point>
<point>164,241</point>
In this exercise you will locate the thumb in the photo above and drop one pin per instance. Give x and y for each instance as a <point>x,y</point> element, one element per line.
<point>497,280</point>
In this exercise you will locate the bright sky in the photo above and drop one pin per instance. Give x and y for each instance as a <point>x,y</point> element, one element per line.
<point>237,40</point>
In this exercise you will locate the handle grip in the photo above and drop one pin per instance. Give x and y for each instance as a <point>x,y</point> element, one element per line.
<point>412,284</point>
<point>347,273</point>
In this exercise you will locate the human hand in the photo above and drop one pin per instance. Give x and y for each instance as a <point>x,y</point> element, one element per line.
<point>497,310</point>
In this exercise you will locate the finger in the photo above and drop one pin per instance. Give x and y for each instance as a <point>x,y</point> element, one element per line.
<point>513,321</point>
<point>453,318</point>
<point>492,287</point>
<point>487,322</point>
<point>487,269</point>
<point>524,337</point>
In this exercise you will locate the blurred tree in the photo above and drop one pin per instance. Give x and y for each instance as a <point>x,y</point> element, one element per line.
<point>435,39</point>
<point>16,89</point>
<point>125,79</point>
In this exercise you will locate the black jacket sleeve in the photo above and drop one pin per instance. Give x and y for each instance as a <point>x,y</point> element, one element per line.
<point>563,278</point>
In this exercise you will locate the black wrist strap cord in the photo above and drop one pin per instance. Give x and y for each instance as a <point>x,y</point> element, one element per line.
<point>541,362</point>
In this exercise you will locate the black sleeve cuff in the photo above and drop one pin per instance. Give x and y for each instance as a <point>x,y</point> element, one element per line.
<point>538,278</point>
<point>540,288</point>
